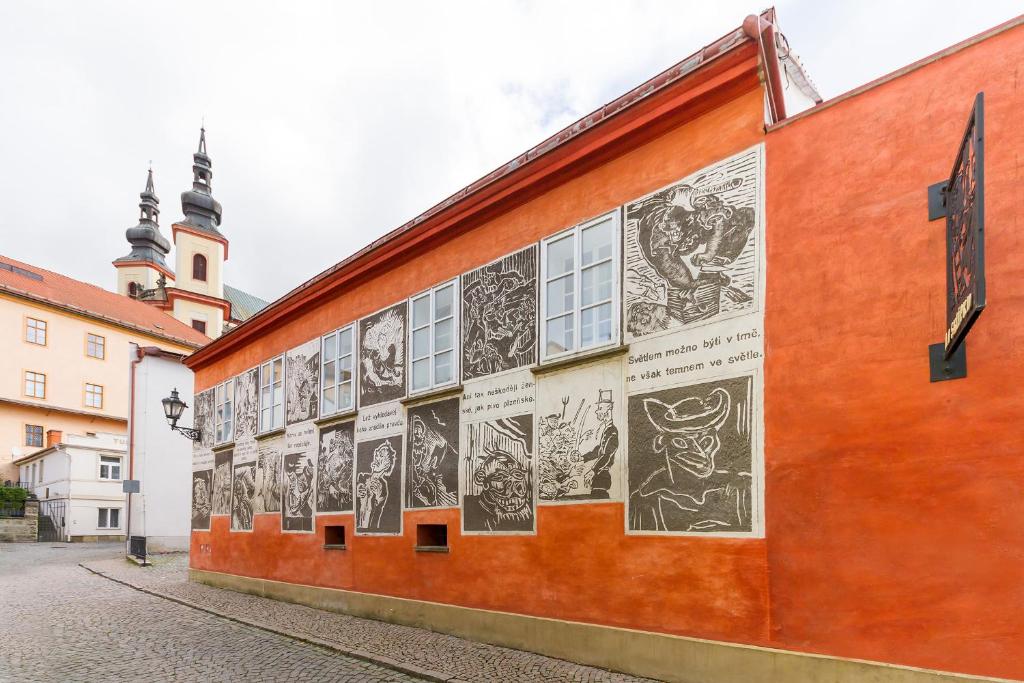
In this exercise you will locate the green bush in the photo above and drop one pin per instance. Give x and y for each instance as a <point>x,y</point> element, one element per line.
<point>10,494</point>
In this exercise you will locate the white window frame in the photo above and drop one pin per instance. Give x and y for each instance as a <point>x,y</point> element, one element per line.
<point>276,409</point>
<point>577,274</point>
<point>38,331</point>
<point>349,329</point>
<point>110,465</point>
<point>432,353</point>
<point>224,421</point>
<point>108,525</point>
<point>95,342</point>
<point>95,391</point>
<point>37,384</point>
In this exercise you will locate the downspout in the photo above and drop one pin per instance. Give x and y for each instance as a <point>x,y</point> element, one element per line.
<point>139,355</point>
<point>763,31</point>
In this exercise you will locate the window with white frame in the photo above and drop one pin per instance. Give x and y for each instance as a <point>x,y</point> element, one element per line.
<point>93,395</point>
<point>35,384</point>
<point>433,335</point>
<point>110,468</point>
<point>336,378</point>
<point>95,346</point>
<point>224,413</point>
<point>580,295</point>
<point>272,394</point>
<point>108,518</point>
<point>35,331</point>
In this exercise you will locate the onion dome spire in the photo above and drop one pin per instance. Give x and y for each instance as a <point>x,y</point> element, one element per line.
<point>148,244</point>
<point>201,210</point>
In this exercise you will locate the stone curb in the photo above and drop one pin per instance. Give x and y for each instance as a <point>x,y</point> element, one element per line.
<point>380,660</point>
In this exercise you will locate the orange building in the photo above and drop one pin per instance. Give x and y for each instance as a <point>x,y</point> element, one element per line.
<point>655,395</point>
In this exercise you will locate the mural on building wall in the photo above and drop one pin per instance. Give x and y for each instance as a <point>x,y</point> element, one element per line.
<point>432,461</point>
<point>222,482</point>
<point>334,468</point>
<point>579,450</point>
<point>691,457</point>
<point>499,315</point>
<point>204,417</point>
<point>302,382</point>
<point>497,476</point>
<point>246,406</point>
<point>243,491</point>
<point>691,249</point>
<point>202,499</point>
<point>267,495</point>
<point>297,494</point>
<point>382,356</point>
<point>379,486</point>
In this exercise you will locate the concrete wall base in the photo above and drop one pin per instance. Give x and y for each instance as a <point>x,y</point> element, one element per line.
<point>96,539</point>
<point>642,653</point>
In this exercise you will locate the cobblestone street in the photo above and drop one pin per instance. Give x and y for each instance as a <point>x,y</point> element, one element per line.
<point>64,623</point>
<point>68,623</point>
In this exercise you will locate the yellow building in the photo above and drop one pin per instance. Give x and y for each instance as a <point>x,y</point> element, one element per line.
<point>66,357</point>
<point>195,292</point>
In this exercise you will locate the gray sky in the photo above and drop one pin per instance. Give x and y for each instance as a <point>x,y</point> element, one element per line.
<point>331,123</point>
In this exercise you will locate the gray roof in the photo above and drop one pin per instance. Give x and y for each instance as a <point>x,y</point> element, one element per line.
<point>243,304</point>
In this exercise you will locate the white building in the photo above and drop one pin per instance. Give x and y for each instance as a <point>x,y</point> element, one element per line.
<point>77,478</point>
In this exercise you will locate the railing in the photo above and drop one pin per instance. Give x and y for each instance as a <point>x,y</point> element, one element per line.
<point>12,510</point>
<point>27,485</point>
<point>137,546</point>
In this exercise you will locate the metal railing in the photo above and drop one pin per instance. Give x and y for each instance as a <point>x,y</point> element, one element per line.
<point>12,510</point>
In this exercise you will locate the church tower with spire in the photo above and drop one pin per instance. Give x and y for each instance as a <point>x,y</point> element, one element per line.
<point>195,292</point>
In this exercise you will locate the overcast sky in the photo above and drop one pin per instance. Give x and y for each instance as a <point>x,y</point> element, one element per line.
<point>332,123</point>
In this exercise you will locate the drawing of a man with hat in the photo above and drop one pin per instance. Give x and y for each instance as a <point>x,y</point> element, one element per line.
<point>603,455</point>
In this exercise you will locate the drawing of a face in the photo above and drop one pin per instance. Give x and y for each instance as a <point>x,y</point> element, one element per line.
<point>504,487</point>
<point>200,497</point>
<point>383,459</point>
<point>603,410</point>
<point>300,479</point>
<point>688,430</point>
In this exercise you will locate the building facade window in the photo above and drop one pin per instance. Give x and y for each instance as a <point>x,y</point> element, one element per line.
<point>32,476</point>
<point>110,468</point>
<point>34,435</point>
<point>433,334</point>
<point>199,267</point>
<point>35,384</point>
<point>336,378</point>
<point>40,474</point>
<point>580,295</point>
<point>93,396</point>
<point>35,331</point>
<point>224,413</point>
<point>199,325</point>
<point>108,518</point>
<point>272,394</point>
<point>95,346</point>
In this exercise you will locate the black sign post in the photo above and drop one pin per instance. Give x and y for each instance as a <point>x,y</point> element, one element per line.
<point>961,201</point>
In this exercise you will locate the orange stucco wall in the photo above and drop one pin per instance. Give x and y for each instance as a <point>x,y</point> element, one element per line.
<point>894,514</point>
<point>893,510</point>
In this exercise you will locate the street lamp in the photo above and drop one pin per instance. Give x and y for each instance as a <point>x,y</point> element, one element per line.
<point>173,407</point>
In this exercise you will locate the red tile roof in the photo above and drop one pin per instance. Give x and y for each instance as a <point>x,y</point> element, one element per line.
<point>79,297</point>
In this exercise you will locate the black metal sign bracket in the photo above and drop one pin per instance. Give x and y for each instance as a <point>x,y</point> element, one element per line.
<point>941,368</point>
<point>937,200</point>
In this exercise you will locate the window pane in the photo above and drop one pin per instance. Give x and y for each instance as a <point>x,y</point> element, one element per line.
<point>345,396</point>
<point>596,284</point>
<point>115,472</point>
<point>329,377</point>
<point>443,302</point>
<point>421,311</point>
<point>328,400</point>
<point>560,296</point>
<point>597,242</point>
<point>277,395</point>
<point>559,334</point>
<point>278,415</point>
<point>443,335</point>
<point>102,520</point>
<point>345,370</point>
<point>421,343</point>
<point>596,325</point>
<point>345,342</point>
<point>560,256</point>
<point>115,518</point>
<point>443,367</point>
<point>421,373</point>
<point>278,367</point>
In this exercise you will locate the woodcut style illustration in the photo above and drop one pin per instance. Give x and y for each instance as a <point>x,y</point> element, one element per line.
<point>243,491</point>
<point>204,417</point>
<point>499,315</point>
<point>222,483</point>
<point>334,468</point>
<point>432,465</point>
<point>691,458</point>
<point>302,382</point>
<point>246,407</point>
<point>382,356</point>
<point>692,248</point>
<point>267,496</point>
<point>497,471</point>
<point>202,499</point>
<point>297,495</point>
<point>378,486</point>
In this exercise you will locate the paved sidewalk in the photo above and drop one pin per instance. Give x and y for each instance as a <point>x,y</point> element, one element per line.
<point>415,651</point>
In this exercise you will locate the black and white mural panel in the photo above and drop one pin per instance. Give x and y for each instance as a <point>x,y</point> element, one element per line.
<point>267,497</point>
<point>580,434</point>
<point>382,375</point>
<point>378,486</point>
<point>298,493</point>
<point>243,485</point>
<point>302,383</point>
<point>204,418</point>
<point>335,467</point>
<point>246,405</point>
<point>202,490</point>
<point>497,469</point>
<point>693,250</point>
<point>499,315</point>
<point>432,456</point>
<point>222,482</point>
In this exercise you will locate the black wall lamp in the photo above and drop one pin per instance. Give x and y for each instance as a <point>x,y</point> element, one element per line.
<point>173,407</point>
